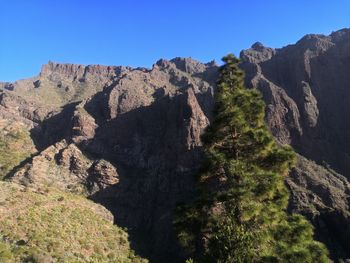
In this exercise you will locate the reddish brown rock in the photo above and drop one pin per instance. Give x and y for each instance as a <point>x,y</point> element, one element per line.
<point>65,167</point>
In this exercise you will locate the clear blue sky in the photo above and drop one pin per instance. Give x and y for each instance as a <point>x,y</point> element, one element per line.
<point>137,33</point>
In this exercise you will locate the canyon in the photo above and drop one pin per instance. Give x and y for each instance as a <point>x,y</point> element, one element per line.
<point>129,138</point>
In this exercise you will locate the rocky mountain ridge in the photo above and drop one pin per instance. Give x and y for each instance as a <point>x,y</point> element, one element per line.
<point>130,138</point>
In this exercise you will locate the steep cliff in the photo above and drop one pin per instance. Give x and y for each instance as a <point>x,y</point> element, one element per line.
<point>305,87</point>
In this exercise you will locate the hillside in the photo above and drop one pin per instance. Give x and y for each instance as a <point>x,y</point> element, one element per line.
<point>47,225</point>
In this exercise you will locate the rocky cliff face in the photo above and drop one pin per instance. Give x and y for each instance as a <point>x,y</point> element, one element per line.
<point>305,87</point>
<point>130,138</point>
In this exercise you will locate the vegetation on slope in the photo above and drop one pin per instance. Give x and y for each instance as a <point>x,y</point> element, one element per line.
<point>240,214</point>
<point>51,225</point>
<point>54,226</point>
<point>15,146</point>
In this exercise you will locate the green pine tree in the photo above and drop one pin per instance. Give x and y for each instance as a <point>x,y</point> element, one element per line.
<point>240,213</point>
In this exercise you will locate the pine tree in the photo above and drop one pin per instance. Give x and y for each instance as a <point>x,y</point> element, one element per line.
<point>240,213</point>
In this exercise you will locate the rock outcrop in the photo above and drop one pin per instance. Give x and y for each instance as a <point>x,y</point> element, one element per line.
<point>66,168</point>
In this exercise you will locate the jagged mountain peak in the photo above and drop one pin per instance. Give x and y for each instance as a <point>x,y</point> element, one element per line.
<point>258,46</point>
<point>342,34</point>
<point>187,65</point>
<point>77,71</point>
<point>316,43</point>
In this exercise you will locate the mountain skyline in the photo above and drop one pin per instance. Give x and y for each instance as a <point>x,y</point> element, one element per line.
<point>136,33</point>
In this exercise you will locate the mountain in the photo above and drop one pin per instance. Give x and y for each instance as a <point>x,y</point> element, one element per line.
<point>129,139</point>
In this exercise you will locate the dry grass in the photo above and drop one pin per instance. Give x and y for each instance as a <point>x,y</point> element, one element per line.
<point>53,226</point>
